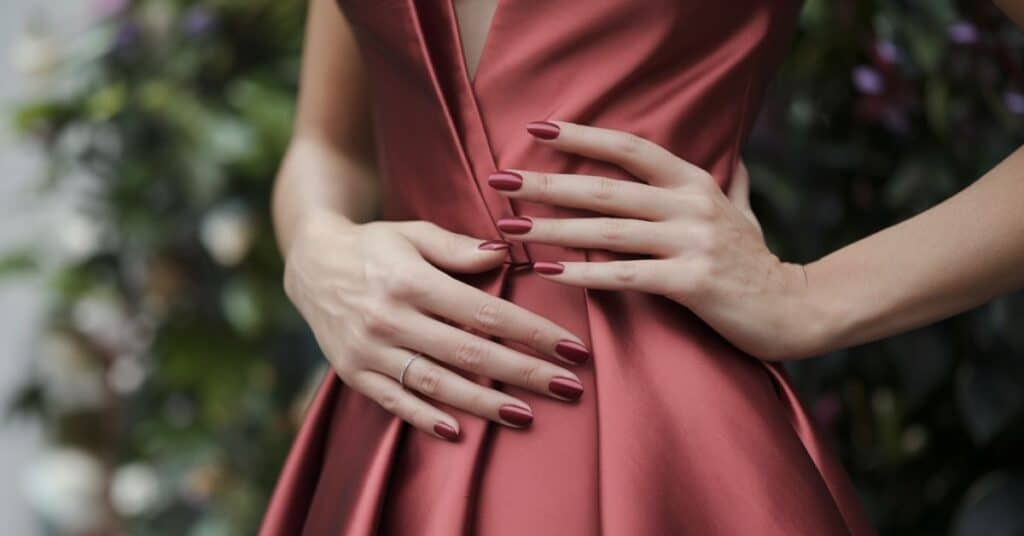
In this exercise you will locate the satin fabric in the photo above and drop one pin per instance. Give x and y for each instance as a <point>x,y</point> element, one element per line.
<point>678,431</point>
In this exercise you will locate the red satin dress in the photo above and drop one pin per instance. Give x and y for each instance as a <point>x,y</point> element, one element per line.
<point>678,431</point>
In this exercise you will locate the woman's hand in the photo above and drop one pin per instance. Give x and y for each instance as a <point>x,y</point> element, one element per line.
<point>374,301</point>
<point>706,248</point>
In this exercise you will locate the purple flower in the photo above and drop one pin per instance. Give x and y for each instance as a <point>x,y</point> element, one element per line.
<point>108,8</point>
<point>197,21</point>
<point>1014,102</point>
<point>128,35</point>
<point>868,80</point>
<point>888,51</point>
<point>963,33</point>
<point>895,119</point>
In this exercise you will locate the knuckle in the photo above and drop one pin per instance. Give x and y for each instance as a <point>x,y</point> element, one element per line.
<point>630,144</point>
<point>544,184</point>
<point>537,337</point>
<point>358,353</point>
<point>488,315</point>
<point>404,282</point>
<point>529,374</point>
<point>379,319</point>
<point>470,355</point>
<point>698,277</point>
<point>430,381</point>
<point>478,401</point>
<point>414,415</point>
<point>612,229</point>
<point>703,239</point>
<point>390,402</point>
<point>704,208</point>
<point>707,178</point>
<point>423,226</point>
<point>605,189</point>
<point>625,272</point>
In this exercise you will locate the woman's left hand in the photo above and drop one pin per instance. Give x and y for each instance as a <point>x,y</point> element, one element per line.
<point>706,248</point>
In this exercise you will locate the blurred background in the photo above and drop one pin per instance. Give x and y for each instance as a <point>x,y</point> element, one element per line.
<point>153,373</point>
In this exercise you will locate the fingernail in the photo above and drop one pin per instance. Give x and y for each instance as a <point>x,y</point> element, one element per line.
<point>515,225</point>
<point>446,431</point>
<point>544,130</point>
<point>573,351</point>
<point>548,268</point>
<point>566,387</point>
<point>492,245</point>
<point>505,180</point>
<point>516,415</point>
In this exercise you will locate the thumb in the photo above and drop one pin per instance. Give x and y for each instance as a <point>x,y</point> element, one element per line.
<point>453,251</point>
<point>739,187</point>
<point>739,193</point>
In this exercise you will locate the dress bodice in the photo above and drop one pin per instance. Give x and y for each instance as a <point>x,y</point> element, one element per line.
<point>687,74</point>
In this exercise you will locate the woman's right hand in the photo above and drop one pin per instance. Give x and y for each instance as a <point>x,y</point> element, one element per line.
<point>376,294</point>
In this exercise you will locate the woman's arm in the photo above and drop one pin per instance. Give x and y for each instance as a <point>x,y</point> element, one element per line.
<point>1013,8</point>
<point>945,260</point>
<point>708,254</point>
<point>328,167</point>
<point>389,317</point>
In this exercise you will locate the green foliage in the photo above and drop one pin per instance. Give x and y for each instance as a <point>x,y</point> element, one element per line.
<point>177,115</point>
<point>883,110</point>
<point>172,360</point>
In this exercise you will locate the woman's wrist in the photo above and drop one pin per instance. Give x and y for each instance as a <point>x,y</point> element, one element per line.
<point>830,312</point>
<point>316,220</point>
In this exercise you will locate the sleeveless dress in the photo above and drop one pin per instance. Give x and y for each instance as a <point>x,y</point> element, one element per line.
<point>678,431</point>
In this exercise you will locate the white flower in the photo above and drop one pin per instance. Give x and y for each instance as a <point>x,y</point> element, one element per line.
<point>35,54</point>
<point>79,235</point>
<point>64,486</point>
<point>101,316</point>
<point>126,375</point>
<point>134,489</point>
<point>69,381</point>
<point>227,233</point>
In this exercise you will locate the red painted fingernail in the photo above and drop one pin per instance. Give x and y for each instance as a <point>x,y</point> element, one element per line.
<point>515,225</point>
<point>492,245</point>
<point>544,130</point>
<point>566,387</point>
<point>446,431</point>
<point>505,180</point>
<point>516,415</point>
<point>573,351</point>
<point>548,268</point>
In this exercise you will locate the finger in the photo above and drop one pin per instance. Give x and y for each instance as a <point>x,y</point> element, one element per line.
<point>475,309</point>
<point>427,377</point>
<point>405,405</point>
<point>471,353</point>
<point>642,158</point>
<point>644,275</point>
<point>600,194</point>
<point>739,187</point>
<point>453,251</point>
<point>739,193</point>
<point>613,234</point>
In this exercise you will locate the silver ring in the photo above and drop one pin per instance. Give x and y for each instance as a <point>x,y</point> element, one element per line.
<point>401,377</point>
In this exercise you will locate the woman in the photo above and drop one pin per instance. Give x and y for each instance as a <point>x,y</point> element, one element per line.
<point>567,320</point>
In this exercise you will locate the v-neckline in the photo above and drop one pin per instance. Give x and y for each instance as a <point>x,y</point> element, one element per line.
<point>470,80</point>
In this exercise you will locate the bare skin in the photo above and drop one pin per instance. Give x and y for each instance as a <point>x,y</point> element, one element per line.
<point>377,293</point>
<point>474,18</point>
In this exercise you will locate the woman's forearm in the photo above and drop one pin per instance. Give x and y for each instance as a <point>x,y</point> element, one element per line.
<point>959,254</point>
<point>316,178</point>
<point>328,168</point>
